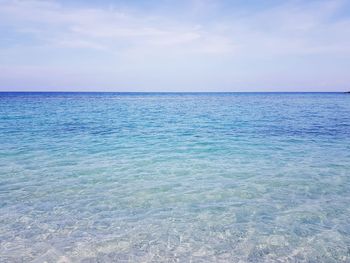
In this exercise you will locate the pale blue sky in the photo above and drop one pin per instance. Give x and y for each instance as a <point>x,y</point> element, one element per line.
<point>193,45</point>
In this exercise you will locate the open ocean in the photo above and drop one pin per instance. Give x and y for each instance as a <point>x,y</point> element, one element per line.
<point>174,177</point>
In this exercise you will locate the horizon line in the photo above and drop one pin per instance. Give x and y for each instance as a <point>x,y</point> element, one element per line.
<point>36,91</point>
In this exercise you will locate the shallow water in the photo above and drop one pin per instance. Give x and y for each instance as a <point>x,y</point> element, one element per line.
<point>102,177</point>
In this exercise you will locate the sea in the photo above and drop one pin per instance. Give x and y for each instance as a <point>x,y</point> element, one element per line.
<point>174,177</point>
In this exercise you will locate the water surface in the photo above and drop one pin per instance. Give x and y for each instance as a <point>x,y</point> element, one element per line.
<point>123,177</point>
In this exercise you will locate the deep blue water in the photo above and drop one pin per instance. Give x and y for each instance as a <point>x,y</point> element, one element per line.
<point>166,177</point>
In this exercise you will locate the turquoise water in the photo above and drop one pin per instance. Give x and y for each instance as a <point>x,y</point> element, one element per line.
<point>108,177</point>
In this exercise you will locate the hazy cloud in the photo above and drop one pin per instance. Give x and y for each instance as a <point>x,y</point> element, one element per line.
<point>215,41</point>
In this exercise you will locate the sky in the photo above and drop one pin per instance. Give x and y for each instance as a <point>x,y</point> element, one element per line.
<point>174,45</point>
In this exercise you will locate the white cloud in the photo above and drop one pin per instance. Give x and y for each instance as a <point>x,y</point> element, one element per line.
<point>97,28</point>
<point>291,28</point>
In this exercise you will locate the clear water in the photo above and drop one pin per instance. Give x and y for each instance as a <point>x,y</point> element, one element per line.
<point>174,177</point>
